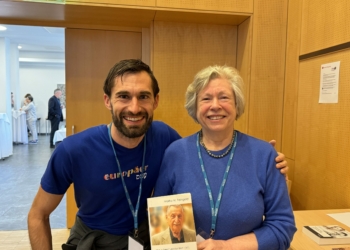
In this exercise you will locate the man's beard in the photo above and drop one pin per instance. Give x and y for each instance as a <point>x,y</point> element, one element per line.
<point>132,131</point>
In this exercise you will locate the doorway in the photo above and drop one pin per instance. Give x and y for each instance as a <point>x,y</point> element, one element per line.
<point>41,69</point>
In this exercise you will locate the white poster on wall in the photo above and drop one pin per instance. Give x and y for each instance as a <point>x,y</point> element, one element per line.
<point>329,82</point>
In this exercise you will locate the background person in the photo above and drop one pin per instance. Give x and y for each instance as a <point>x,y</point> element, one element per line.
<point>54,114</point>
<point>12,101</point>
<point>24,101</point>
<point>175,233</point>
<point>30,110</point>
<point>221,162</point>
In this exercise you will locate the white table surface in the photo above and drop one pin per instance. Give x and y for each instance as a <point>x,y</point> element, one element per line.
<point>19,127</point>
<point>6,148</point>
<point>59,135</point>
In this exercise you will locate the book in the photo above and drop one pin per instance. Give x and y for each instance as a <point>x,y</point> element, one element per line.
<point>171,222</point>
<point>327,234</point>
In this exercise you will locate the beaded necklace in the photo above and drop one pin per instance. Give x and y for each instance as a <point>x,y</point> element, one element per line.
<point>209,152</point>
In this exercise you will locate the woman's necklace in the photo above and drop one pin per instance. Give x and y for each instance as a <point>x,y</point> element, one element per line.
<point>210,153</point>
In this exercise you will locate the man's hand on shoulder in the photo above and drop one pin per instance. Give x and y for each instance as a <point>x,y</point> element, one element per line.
<point>282,164</point>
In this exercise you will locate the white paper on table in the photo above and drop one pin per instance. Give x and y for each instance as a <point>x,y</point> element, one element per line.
<point>329,83</point>
<point>341,217</point>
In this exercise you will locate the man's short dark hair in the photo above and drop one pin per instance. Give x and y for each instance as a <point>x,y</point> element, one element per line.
<point>30,98</point>
<point>128,66</point>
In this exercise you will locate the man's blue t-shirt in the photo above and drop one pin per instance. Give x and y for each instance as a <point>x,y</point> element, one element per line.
<point>87,160</point>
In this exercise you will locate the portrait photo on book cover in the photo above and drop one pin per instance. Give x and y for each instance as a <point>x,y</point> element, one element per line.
<point>172,224</point>
<point>336,231</point>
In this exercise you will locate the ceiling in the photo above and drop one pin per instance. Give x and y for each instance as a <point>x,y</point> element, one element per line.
<point>34,38</point>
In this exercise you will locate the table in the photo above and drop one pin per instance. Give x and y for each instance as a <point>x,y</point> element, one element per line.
<point>19,127</point>
<point>5,136</point>
<point>59,135</point>
<point>313,218</point>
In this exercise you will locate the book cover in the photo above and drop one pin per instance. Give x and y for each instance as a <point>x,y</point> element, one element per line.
<point>327,234</point>
<point>171,222</point>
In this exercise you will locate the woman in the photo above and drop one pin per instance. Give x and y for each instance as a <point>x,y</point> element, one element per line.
<point>30,110</point>
<point>236,167</point>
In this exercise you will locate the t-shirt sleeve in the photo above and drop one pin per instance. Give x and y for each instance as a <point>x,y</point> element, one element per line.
<point>58,174</point>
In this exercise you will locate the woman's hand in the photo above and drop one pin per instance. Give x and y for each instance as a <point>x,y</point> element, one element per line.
<point>246,242</point>
<point>211,244</point>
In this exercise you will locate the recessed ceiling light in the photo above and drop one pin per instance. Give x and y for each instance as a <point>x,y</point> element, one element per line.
<point>19,47</point>
<point>2,28</point>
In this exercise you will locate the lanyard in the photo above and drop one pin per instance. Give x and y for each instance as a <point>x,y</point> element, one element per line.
<point>215,209</point>
<point>134,212</point>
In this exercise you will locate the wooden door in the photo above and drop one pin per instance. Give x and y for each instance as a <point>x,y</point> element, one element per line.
<point>89,56</point>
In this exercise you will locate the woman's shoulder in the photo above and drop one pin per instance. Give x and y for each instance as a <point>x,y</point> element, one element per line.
<point>251,141</point>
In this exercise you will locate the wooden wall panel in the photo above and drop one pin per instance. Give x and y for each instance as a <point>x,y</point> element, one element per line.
<point>188,16</point>
<point>103,15</point>
<point>321,176</point>
<point>146,46</point>
<point>218,5</point>
<point>325,24</point>
<point>139,3</point>
<point>291,78</point>
<point>268,69</point>
<point>244,46</point>
<point>180,51</point>
<point>86,70</point>
<point>75,16</point>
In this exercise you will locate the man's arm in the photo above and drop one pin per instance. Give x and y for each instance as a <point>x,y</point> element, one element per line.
<point>38,219</point>
<point>281,161</point>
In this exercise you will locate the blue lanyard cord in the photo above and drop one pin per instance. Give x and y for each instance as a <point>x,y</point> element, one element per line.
<point>215,209</point>
<point>134,212</point>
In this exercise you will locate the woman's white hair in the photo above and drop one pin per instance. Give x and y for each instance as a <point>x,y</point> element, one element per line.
<point>201,80</point>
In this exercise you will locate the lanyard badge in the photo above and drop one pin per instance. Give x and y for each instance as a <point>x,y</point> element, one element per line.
<point>133,211</point>
<point>215,209</point>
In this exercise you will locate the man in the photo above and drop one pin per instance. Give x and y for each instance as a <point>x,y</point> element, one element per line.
<point>114,168</point>
<point>175,233</point>
<point>55,113</point>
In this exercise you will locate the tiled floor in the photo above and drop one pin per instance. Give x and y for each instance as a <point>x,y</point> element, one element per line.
<point>20,176</point>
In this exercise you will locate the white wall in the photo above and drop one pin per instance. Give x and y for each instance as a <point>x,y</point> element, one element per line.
<point>5,101</point>
<point>40,79</point>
